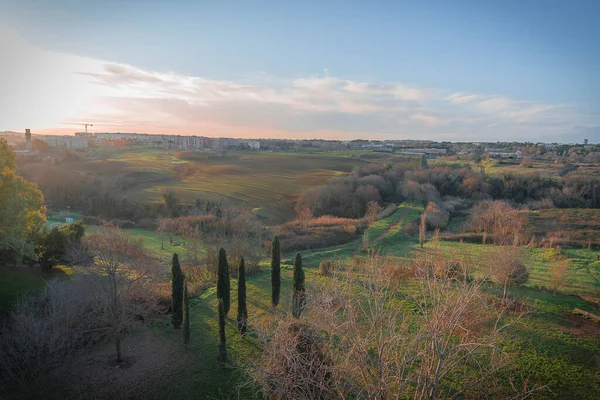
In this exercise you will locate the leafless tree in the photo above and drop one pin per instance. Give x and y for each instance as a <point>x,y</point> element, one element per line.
<point>45,329</point>
<point>375,347</point>
<point>558,269</point>
<point>422,229</point>
<point>499,219</point>
<point>373,209</point>
<point>126,266</point>
<point>508,269</point>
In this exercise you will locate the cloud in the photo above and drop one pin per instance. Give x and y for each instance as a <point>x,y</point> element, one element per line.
<point>42,89</point>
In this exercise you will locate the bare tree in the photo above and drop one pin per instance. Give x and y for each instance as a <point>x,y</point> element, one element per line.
<point>125,265</point>
<point>558,269</point>
<point>422,229</point>
<point>499,219</point>
<point>372,346</point>
<point>373,209</point>
<point>508,269</point>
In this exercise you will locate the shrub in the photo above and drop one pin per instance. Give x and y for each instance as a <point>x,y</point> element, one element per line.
<point>45,330</point>
<point>295,364</point>
<point>326,267</point>
<point>89,220</point>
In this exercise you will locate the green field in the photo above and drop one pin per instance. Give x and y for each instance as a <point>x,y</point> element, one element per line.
<point>271,181</point>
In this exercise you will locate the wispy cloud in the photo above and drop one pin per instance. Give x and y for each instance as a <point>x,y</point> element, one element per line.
<point>59,87</point>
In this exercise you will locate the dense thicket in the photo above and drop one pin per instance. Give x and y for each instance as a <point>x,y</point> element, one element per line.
<point>348,196</point>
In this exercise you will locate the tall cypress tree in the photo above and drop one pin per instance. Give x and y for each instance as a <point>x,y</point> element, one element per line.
<point>298,289</point>
<point>223,284</point>
<point>275,271</point>
<point>186,314</point>
<point>242,312</point>
<point>222,339</point>
<point>176,292</point>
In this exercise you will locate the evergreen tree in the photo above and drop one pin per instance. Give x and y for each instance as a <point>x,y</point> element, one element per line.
<point>223,284</point>
<point>275,271</point>
<point>298,289</point>
<point>176,292</point>
<point>222,338</point>
<point>186,314</point>
<point>242,316</point>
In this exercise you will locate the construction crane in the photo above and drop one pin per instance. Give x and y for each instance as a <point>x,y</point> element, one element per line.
<point>77,123</point>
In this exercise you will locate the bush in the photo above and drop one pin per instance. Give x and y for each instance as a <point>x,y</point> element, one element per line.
<point>45,329</point>
<point>147,223</point>
<point>123,224</point>
<point>327,267</point>
<point>295,364</point>
<point>89,220</point>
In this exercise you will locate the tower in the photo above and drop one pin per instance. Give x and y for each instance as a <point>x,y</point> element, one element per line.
<point>27,139</point>
<point>585,142</point>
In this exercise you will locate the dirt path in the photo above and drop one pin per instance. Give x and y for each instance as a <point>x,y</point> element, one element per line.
<point>394,224</point>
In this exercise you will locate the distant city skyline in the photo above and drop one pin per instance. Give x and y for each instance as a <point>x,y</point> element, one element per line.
<point>434,70</point>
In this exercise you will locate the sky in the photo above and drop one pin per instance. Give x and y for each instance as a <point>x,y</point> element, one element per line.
<point>460,70</point>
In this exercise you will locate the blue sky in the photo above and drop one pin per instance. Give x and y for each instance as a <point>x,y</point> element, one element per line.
<point>536,64</point>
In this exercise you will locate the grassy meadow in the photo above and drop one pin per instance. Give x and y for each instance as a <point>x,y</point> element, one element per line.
<point>270,181</point>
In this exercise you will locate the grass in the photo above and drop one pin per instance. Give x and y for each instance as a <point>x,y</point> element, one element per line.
<point>16,281</point>
<point>542,344</point>
<point>153,242</point>
<point>271,181</point>
<point>206,378</point>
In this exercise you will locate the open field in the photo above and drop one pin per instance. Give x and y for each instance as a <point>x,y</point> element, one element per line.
<point>271,181</point>
<point>541,167</point>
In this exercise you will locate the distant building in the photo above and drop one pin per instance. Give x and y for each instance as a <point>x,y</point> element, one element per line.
<point>28,139</point>
<point>69,142</point>
<point>585,142</point>
<point>254,144</point>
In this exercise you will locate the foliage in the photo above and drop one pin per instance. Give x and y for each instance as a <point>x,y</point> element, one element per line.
<point>298,288</point>
<point>186,314</point>
<point>326,267</point>
<point>275,271</point>
<point>53,245</point>
<point>223,281</point>
<point>22,211</point>
<point>177,285</point>
<point>242,311</point>
<point>222,338</point>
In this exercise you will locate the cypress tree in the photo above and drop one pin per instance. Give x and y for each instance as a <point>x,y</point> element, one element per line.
<point>242,315</point>
<point>222,338</point>
<point>275,271</point>
<point>186,314</point>
<point>223,284</point>
<point>176,292</point>
<point>298,289</point>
